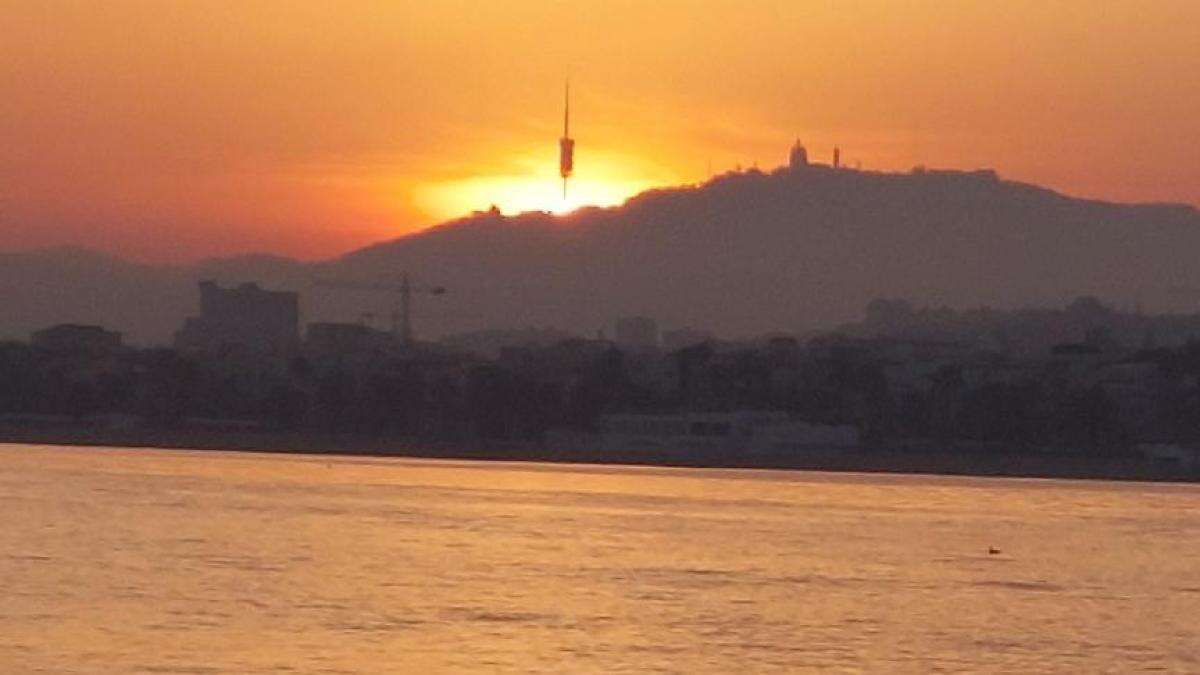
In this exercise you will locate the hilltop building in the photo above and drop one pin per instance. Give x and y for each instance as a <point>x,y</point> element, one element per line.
<point>242,321</point>
<point>798,159</point>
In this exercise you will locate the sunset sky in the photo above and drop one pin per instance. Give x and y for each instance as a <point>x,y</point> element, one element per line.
<point>174,130</point>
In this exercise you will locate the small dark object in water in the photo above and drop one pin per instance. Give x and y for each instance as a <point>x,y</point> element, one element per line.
<point>992,550</point>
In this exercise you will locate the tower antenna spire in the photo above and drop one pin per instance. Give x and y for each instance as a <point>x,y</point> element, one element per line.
<point>566,144</point>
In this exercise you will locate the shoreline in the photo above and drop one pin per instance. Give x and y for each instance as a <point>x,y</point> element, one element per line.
<point>893,461</point>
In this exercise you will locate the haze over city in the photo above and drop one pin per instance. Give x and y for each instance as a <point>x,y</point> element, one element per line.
<point>170,132</point>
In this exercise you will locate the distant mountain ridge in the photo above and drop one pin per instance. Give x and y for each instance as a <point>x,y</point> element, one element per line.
<point>744,253</point>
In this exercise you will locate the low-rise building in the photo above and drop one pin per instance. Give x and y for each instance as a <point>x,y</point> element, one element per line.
<point>637,332</point>
<point>77,339</point>
<point>327,340</point>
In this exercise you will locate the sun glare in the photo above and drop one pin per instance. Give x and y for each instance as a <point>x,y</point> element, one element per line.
<point>535,186</point>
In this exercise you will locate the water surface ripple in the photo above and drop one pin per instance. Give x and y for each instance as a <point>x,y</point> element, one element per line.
<point>120,561</point>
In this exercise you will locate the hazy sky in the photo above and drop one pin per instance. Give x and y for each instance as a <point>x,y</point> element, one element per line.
<point>173,130</point>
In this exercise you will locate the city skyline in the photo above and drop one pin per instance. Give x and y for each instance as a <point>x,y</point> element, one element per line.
<point>174,133</point>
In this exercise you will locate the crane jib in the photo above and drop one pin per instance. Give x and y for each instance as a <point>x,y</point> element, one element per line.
<point>404,290</point>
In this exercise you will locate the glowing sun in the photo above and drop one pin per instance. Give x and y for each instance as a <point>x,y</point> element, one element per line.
<point>534,185</point>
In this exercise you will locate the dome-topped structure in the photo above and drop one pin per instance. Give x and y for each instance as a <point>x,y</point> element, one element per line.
<point>798,157</point>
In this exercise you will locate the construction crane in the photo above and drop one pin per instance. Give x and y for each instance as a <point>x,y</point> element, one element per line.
<point>566,144</point>
<point>404,290</point>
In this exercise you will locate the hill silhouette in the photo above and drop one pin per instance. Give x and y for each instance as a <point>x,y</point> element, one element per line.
<point>744,253</point>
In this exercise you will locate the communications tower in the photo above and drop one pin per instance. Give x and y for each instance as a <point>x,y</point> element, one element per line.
<point>566,144</point>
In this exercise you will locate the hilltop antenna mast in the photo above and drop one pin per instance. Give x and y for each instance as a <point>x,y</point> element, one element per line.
<point>566,144</point>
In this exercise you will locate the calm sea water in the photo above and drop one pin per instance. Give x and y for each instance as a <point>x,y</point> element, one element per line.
<point>119,561</point>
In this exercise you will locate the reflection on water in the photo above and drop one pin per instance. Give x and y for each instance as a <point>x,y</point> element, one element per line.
<point>172,562</point>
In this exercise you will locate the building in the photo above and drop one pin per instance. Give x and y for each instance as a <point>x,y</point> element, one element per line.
<point>77,339</point>
<point>637,332</point>
<point>798,159</point>
<point>681,338</point>
<point>326,340</point>
<point>783,349</point>
<point>727,434</point>
<point>245,321</point>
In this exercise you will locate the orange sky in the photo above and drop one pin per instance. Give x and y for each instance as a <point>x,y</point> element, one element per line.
<point>177,130</point>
